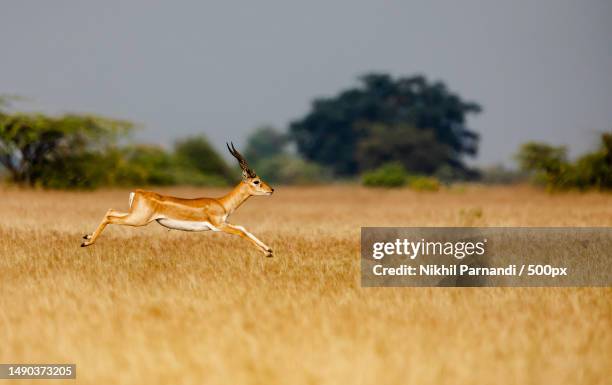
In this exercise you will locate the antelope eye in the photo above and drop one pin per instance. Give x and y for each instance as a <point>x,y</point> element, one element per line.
<point>256,182</point>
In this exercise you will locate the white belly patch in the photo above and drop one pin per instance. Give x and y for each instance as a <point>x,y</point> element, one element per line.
<point>186,225</point>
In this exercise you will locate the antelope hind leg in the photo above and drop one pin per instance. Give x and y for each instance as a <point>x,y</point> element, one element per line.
<point>116,218</point>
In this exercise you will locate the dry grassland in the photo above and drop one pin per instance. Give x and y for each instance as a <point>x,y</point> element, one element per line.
<point>152,306</point>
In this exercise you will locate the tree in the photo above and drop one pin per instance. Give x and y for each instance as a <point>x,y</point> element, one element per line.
<point>542,156</point>
<point>334,130</point>
<point>32,145</point>
<point>416,150</point>
<point>547,164</point>
<point>265,142</point>
<point>141,165</point>
<point>266,152</point>
<point>82,151</point>
<point>550,165</point>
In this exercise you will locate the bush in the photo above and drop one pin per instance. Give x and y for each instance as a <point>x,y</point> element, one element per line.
<point>288,169</point>
<point>548,165</point>
<point>594,170</point>
<point>152,165</point>
<point>137,165</point>
<point>142,165</point>
<point>195,178</point>
<point>423,183</point>
<point>394,175</point>
<point>388,175</point>
<point>196,153</point>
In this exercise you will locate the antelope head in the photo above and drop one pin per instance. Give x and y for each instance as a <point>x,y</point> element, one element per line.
<point>254,184</point>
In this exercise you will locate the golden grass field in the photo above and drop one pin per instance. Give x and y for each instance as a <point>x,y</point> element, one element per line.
<point>152,306</point>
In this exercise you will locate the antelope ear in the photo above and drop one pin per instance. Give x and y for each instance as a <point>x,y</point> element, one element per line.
<point>245,175</point>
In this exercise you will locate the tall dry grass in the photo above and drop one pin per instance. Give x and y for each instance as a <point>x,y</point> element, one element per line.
<point>151,306</point>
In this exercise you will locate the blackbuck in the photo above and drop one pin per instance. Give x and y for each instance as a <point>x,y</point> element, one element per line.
<point>199,214</point>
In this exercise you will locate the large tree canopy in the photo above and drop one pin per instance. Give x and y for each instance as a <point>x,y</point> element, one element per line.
<point>410,120</point>
<point>31,145</point>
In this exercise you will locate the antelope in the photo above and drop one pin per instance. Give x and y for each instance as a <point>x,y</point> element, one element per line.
<point>199,214</point>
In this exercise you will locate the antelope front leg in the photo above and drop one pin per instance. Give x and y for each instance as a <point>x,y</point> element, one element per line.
<point>242,232</point>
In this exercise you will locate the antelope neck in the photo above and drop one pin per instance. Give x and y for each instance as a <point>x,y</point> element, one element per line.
<point>235,198</point>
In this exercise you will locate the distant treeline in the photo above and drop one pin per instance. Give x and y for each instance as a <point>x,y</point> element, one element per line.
<point>548,165</point>
<point>86,152</point>
<point>83,151</point>
<point>385,131</point>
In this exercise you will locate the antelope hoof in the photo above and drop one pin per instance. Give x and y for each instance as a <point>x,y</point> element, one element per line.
<point>87,236</point>
<point>85,244</point>
<point>268,253</point>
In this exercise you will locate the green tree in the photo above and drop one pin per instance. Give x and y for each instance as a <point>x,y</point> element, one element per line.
<point>33,145</point>
<point>543,157</point>
<point>547,164</point>
<point>417,150</point>
<point>265,142</point>
<point>82,151</point>
<point>594,170</point>
<point>138,165</point>
<point>197,153</point>
<point>266,151</point>
<point>550,166</point>
<point>332,133</point>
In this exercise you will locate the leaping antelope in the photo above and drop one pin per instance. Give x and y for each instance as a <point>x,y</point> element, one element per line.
<point>199,214</point>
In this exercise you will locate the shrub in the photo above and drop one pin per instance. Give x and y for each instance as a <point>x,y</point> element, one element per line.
<point>394,175</point>
<point>142,165</point>
<point>192,177</point>
<point>198,154</point>
<point>424,183</point>
<point>549,166</point>
<point>594,170</point>
<point>152,165</point>
<point>388,175</point>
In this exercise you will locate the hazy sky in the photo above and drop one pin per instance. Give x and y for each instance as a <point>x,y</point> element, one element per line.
<point>542,69</point>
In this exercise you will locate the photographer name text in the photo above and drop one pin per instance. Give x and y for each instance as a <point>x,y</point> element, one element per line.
<point>446,270</point>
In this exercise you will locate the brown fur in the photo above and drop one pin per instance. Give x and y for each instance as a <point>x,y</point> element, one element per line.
<point>148,206</point>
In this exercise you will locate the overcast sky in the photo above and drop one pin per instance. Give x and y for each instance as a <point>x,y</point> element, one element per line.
<point>542,69</point>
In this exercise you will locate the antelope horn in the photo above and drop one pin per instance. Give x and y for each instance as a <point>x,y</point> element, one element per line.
<point>243,163</point>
